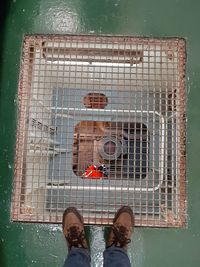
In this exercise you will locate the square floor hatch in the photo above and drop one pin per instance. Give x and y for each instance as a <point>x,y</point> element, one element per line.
<point>101,125</point>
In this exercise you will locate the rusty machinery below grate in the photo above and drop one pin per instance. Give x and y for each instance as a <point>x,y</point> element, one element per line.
<point>100,125</point>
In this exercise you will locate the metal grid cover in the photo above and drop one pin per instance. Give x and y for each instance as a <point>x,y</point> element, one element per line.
<point>101,124</point>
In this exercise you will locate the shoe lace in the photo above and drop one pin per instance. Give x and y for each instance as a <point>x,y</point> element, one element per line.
<point>75,237</point>
<point>120,236</point>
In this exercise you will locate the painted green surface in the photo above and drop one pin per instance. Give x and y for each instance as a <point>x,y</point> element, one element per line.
<point>24,245</point>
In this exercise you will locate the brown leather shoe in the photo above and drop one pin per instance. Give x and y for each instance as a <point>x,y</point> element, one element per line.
<point>120,234</point>
<point>73,228</point>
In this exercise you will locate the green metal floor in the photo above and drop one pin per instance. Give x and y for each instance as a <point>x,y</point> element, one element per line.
<point>40,245</point>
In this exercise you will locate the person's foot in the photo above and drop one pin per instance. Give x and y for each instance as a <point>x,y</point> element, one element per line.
<point>73,228</point>
<point>120,234</point>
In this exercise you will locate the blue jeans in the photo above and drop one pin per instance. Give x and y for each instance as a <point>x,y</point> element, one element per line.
<point>113,257</point>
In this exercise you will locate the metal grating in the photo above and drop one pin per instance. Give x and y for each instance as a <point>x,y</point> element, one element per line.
<point>101,124</point>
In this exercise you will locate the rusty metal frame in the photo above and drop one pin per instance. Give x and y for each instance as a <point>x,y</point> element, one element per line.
<point>19,213</point>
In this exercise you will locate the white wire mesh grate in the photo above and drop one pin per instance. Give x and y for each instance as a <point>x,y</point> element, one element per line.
<point>101,125</point>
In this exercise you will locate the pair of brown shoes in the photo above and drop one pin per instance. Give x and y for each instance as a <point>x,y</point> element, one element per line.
<point>119,236</point>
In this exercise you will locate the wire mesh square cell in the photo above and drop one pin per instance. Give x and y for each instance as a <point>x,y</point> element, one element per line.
<point>101,125</point>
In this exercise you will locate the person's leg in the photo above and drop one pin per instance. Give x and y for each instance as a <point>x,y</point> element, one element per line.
<point>77,257</point>
<point>73,229</point>
<point>115,254</point>
<point>116,257</point>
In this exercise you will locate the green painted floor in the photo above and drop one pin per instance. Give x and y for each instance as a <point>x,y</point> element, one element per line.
<point>27,245</point>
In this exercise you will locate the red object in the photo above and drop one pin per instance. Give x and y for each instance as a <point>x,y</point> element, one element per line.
<point>93,173</point>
